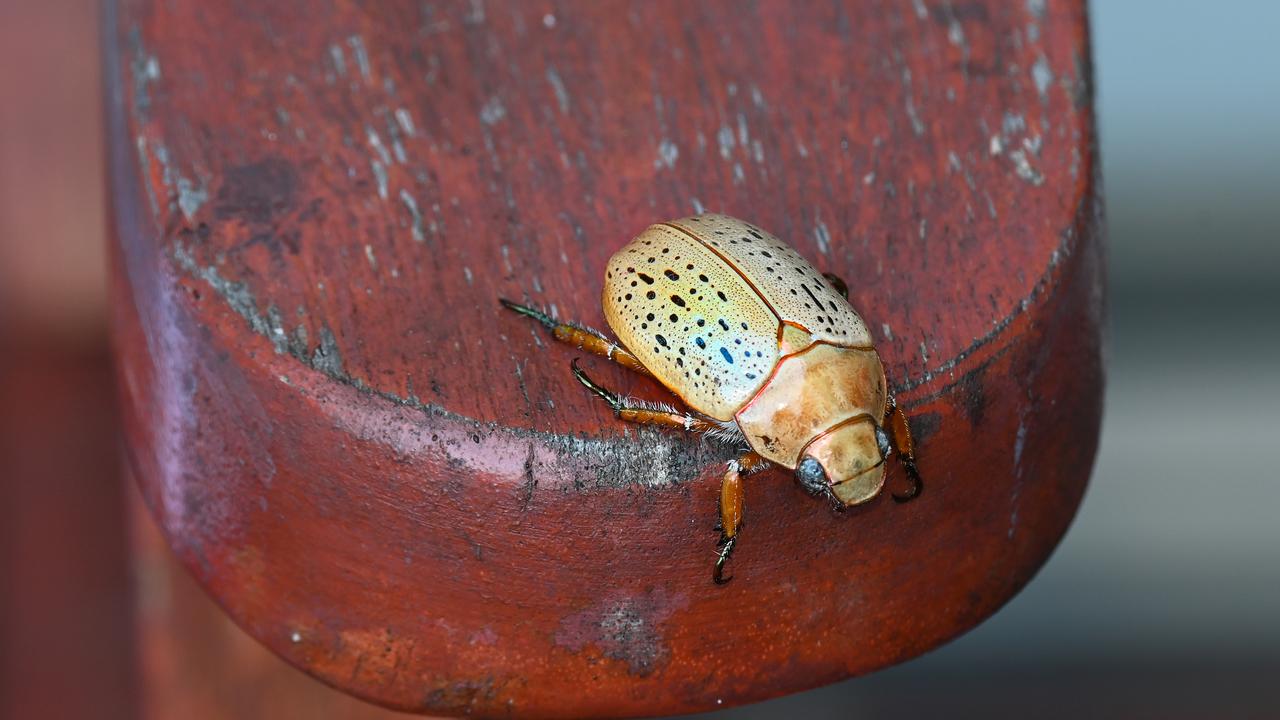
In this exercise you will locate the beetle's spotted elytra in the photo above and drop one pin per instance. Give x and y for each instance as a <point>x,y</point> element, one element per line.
<point>764,351</point>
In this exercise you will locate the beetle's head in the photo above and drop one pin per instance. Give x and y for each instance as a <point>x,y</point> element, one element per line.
<point>847,462</point>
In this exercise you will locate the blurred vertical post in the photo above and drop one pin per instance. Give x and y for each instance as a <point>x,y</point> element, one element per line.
<point>66,636</point>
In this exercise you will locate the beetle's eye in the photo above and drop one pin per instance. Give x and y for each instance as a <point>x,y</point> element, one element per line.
<point>811,476</point>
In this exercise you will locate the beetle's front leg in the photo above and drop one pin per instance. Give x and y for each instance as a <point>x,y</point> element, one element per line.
<point>731,508</point>
<point>899,433</point>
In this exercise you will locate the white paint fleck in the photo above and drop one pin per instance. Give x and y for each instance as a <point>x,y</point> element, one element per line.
<point>757,151</point>
<point>953,161</point>
<point>1036,8</point>
<point>869,178</point>
<point>405,121</point>
<point>1042,75</point>
<point>548,21</point>
<point>739,176</point>
<point>1012,123</point>
<point>190,197</point>
<point>466,273</point>
<point>295,637</point>
<point>668,153</point>
<point>924,228</point>
<point>493,111</point>
<point>888,333</point>
<point>368,253</point>
<point>743,136</point>
<point>757,98</point>
<point>922,12</point>
<point>823,236</point>
<point>917,125</point>
<point>955,33</point>
<point>1022,166</point>
<point>375,142</point>
<point>339,60</point>
<point>1019,441</point>
<point>412,206</point>
<point>557,87</point>
<point>362,57</point>
<point>698,208</point>
<point>725,138</point>
<point>380,177</point>
<point>996,146</point>
<point>924,352</point>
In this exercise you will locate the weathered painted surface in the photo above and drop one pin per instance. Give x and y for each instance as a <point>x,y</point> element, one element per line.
<point>396,485</point>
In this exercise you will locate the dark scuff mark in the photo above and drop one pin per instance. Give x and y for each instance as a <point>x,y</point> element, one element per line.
<point>972,396</point>
<point>530,481</point>
<point>257,192</point>
<point>924,426</point>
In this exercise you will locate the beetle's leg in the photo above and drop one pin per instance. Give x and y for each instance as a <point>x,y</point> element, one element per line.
<point>644,414</point>
<point>900,438</point>
<point>731,509</point>
<point>838,283</point>
<point>593,341</point>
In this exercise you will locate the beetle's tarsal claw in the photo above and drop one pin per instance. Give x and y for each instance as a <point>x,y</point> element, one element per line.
<point>590,384</point>
<point>726,550</point>
<point>917,485</point>
<point>527,311</point>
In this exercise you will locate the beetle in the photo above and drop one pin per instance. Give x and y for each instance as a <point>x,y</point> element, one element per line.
<point>763,350</point>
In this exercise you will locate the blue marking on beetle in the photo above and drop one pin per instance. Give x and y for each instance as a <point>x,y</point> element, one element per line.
<point>727,357</point>
<point>701,343</point>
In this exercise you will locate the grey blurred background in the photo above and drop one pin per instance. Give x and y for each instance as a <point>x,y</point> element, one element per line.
<point>1161,602</point>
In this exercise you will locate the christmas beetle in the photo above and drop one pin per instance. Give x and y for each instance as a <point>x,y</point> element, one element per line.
<point>763,350</point>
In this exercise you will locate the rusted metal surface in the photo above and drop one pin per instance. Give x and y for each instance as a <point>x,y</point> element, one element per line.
<point>394,483</point>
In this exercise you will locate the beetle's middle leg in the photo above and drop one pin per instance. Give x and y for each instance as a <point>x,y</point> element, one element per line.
<point>593,341</point>
<point>899,433</point>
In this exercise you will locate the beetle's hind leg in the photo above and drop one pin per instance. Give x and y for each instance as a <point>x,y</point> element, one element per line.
<point>899,435</point>
<point>593,341</point>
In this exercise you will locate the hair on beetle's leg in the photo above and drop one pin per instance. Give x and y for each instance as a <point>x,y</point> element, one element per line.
<point>731,495</point>
<point>585,338</point>
<point>643,413</point>
<point>838,283</point>
<point>899,436</point>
